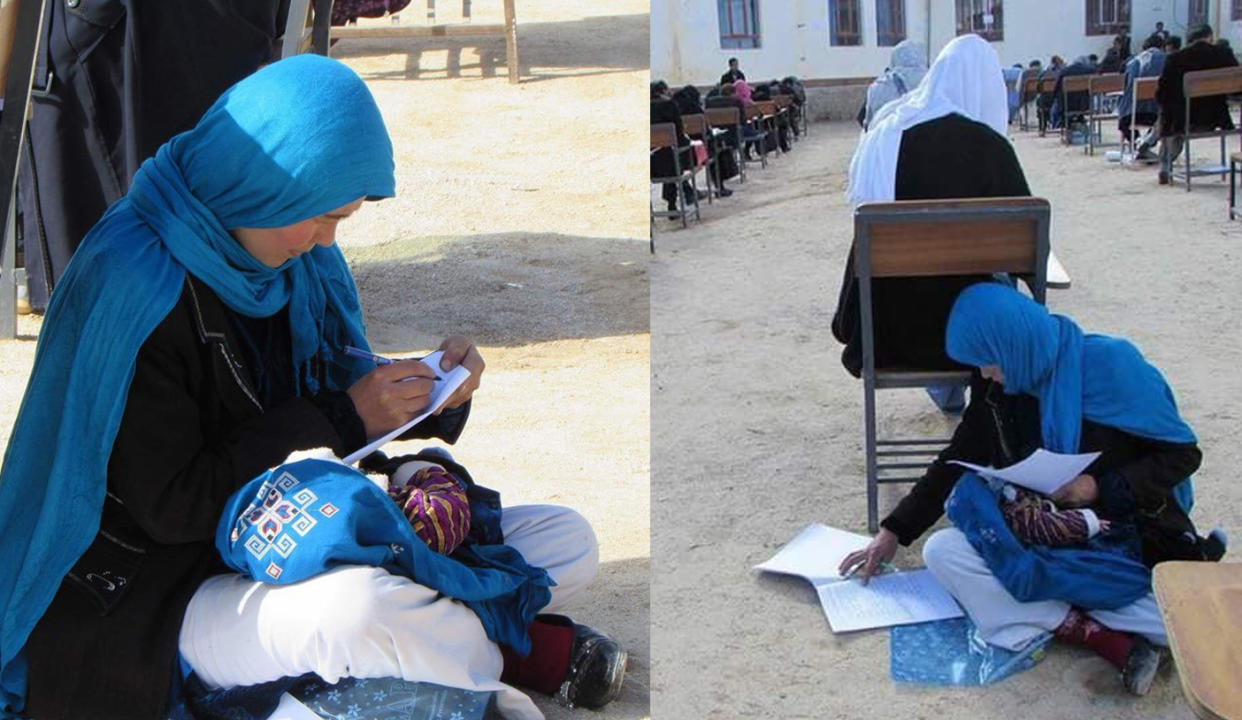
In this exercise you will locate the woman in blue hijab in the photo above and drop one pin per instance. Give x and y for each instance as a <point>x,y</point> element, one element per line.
<point>1046,384</point>
<point>195,341</point>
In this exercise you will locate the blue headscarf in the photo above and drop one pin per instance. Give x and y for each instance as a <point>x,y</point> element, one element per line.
<point>297,139</point>
<point>1075,377</point>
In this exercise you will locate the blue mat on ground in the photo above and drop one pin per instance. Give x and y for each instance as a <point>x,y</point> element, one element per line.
<point>950,652</point>
<point>349,699</point>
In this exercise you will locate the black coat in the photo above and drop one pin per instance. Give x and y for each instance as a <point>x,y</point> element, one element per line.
<point>949,157</point>
<point>193,431</point>
<point>1205,113</point>
<point>1135,475</point>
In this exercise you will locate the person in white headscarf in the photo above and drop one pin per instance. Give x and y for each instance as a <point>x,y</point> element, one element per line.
<point>945,139</point>
<point>907,66</point>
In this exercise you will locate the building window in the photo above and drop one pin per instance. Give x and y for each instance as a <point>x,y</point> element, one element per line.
<point>890,22</point>
<point>1197,13</point>
<point>739,24</point>
<point>844,23</point>
<point>1237,10</point>
<point>982,17</point>
<point>1108,17</point>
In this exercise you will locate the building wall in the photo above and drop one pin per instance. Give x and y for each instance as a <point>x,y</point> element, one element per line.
<point>685,40</point>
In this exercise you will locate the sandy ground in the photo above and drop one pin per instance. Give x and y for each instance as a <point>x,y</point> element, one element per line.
<point>519,222</point>
<point>756,428</point>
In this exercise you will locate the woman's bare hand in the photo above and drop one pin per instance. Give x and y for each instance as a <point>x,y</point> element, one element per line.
<point>867,561</point>
<point>386,398</point>
<point>460,351</point>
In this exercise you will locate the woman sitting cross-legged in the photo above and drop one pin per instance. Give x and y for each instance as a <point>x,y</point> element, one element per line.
<point>1019,570</point>
<point>196,340</point>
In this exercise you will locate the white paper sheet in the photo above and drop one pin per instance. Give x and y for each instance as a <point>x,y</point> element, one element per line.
<point>899,598</point>
<point>443,389</point>
<point>815,553</point>
<point>896,598</point>
<point>1043,471</point>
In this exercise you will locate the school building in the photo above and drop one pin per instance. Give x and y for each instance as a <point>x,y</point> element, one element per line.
<point>838,46</point>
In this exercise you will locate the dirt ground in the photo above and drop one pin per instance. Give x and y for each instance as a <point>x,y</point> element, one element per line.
<point>519,223</point>
<point>756,428</point>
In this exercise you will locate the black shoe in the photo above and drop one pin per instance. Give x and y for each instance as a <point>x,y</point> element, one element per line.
<point>672,206</point>
<point>1163,177</point>
<point>724,191</point>
<point>596,670</point>
<point>1141,666</point>
<point>1214,545</point>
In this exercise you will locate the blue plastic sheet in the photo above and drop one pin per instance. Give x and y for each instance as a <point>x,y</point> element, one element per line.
<point>950,652</point>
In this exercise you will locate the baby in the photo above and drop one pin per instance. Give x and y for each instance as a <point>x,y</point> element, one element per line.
<point>1036,520</point>
<point>435,503</point>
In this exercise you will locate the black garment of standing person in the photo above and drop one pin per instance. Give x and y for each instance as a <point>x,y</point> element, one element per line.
<point>1135,475</point>
<point>733,74</point>
<point>949,157</point>
<point>116,79</point>
<point>1205,113</point>
<point>664,110</point>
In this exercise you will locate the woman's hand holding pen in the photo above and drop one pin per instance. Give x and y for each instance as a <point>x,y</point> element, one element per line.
<point>871,558</point>
<point>391,395</point>
<point>460,351</point>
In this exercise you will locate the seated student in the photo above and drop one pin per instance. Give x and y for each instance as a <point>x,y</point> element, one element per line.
<point>664,110</point>
<point>906,68</point>
<point>732,75</point>
<point>1013,79</point>
<point>196,340</point>
<point>784,123</point>
<point>687,101</point>
<point>1043,104</point>
<point>1159,36</point>
<point>946,139</point>
<point>727,98</point>
<point>1043,383</point>
<point>1209,113</point>
<point>1063,105</point>
<point>1148,63</point>
<point>1032,70</point>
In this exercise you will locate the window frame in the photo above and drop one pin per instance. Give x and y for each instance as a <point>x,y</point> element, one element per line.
<point>895,11</point>
<point>965,10</point>
<point>750,37</point>
<point>1197,13</point>
<point>838,37</point>
<point>1120,23</point>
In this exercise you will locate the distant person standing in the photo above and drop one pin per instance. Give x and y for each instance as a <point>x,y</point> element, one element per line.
<point>733,75</point>
<point>1160,36</point>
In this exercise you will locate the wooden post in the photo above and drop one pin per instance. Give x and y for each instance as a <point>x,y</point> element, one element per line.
<point>511,41</point>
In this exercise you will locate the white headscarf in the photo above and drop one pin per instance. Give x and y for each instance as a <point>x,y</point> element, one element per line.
<point>965,79</point>
<point>906,69</point>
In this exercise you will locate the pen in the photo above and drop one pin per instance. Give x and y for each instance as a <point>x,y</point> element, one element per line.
<point>352,351</point>
<point>884,567</point>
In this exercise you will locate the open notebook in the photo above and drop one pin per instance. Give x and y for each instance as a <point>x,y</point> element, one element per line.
<point>896,598</point>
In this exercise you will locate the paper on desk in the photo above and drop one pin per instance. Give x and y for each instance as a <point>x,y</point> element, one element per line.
<point>897,598</point>
<point>900,598</point>
<point>1044,472</point>
<point>441,391</point>
<point>816,553</point>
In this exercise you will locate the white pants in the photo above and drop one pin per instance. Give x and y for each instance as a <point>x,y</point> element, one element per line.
<point>358,621</point>
<point>1011,624</point>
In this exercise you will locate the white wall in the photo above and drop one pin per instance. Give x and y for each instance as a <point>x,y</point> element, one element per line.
<point>685,39</point>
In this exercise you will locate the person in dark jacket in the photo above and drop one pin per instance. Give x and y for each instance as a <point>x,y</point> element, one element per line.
<point>946,139</point>
<point>1076,102</point>
<point>1210,113</point>
<point>1043,103</point>
<point>197,338</point>
<point>1044,384</point>
<point>732,75</point>
<point>115,80</point>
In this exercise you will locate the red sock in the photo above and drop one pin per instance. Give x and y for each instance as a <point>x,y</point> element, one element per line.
<point>1113,646</point>
<point>551,640</point>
